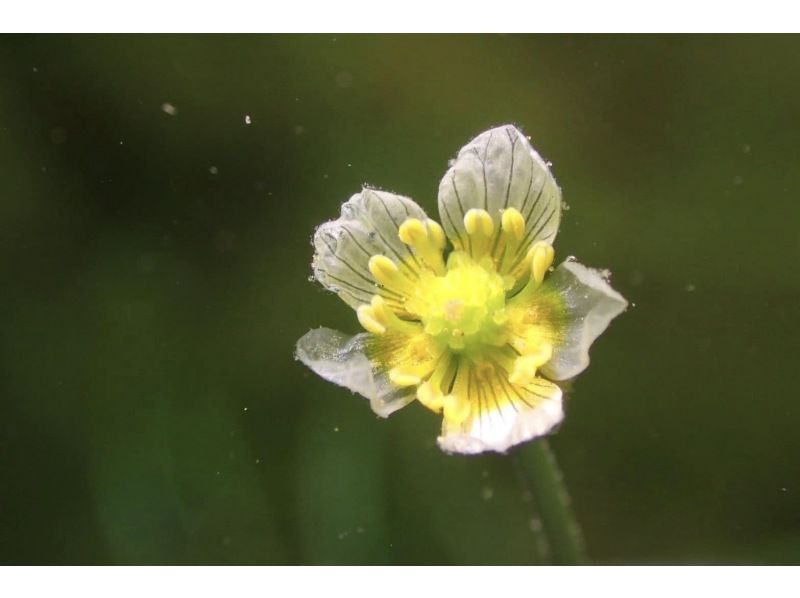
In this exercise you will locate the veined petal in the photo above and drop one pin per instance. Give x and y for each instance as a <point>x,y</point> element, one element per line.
<point>503,415</point>
<point>342,359</point>
<point>590,304</point>
<point>368,226</point>
<point>494,172</point>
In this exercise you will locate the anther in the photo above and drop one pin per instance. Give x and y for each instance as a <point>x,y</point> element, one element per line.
<point>386,273</point>
<point>480,227</point>
<point>478,222</point>
<point>436,234</point>
<point>427,240</point>
<point>366,316</point>
<point>430,395</point>
<point>540,258</point>
<point>513,224</point>
<point>525,367</point>
<point>402,378</point>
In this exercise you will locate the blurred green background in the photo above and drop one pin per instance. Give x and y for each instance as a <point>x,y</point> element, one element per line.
<point>155,260</point>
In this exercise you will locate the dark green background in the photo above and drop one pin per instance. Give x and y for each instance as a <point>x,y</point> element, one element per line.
<point>152,411</point>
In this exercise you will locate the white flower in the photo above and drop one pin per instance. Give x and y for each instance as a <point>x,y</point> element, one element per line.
<point>479,330</point>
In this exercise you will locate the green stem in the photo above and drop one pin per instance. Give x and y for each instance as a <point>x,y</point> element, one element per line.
<point>541,472</point>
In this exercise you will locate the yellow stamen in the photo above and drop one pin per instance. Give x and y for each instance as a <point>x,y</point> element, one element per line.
<point>513,224</point>
<point>543,254</point>
<point>427,240</point>
<point>403,378</point>
<point>386,273</point>
<point>435,233</point>
<point>525,367</point>
<point>540,258</point>
<point>377,317</point>
<point>430,393</point>
<point>480,227</point>
<point>366,316</point>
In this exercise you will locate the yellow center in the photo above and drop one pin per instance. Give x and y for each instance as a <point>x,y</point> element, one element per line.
<point>465,308</point>
<point>437,324</point>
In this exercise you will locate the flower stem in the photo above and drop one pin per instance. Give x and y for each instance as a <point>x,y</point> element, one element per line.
<point>540,471</point>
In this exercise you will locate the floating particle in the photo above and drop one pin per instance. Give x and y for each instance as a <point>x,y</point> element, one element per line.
<point>247,119</point>
<point>213,170</point>
<point>168,108</point>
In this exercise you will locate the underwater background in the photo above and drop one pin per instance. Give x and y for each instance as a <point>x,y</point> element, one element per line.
<point>157,199</point>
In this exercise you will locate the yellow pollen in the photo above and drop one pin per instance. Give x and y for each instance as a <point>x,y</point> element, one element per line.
<point>525,367</point>
<point>366,317</point>
<point>377,317</point>
<point>427,240</point>
<point>402,378</point>
<point>513,224</point>
<point>540,258</point>
<point>480,227</point>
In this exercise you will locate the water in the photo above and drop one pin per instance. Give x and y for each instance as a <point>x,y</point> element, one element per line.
<point>152,411</point>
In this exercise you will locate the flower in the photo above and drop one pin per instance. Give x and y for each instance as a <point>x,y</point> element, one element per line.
<point>479,332</point>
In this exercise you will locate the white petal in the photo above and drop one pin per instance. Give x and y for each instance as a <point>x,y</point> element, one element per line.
<point>591,305</point>
<point>497,170</point>
<point>367,226</point>
<point>500,429</point>
<point>340,359</point>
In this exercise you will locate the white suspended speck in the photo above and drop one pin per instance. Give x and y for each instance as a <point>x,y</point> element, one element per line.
<point>336,429</point>
<point>168,108</point>
<point>213,170</point>
<point>245,409</point>
<point>247,119</point>
<point>689,287</point>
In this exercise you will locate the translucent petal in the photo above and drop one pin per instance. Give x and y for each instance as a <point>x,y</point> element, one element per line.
<point>590,304</point>
<point>367,226</point>
<point>498,170</point>
<point>503,416</point>
<point>341,359</point>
